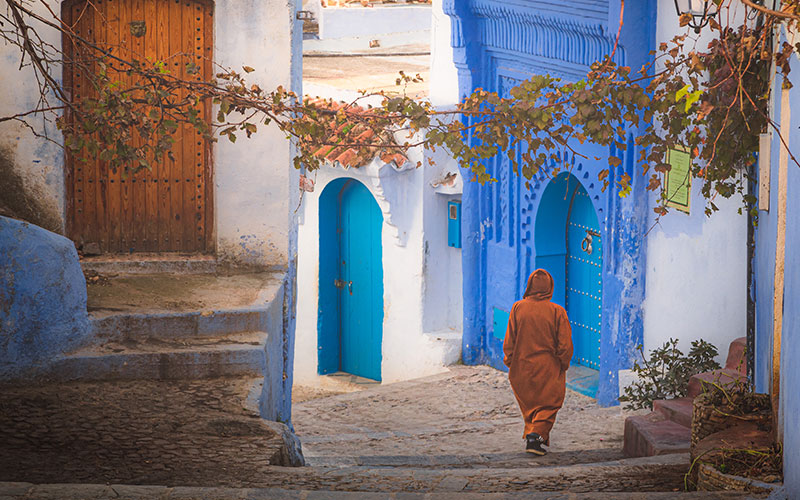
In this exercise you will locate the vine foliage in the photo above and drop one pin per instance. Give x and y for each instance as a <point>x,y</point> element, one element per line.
<point>711,100</point>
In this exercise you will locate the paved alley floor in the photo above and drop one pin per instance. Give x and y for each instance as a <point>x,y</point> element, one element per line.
<point>184,432</point>
<point>468,411</point>
<point>365,72</point>
<point>454,435</point>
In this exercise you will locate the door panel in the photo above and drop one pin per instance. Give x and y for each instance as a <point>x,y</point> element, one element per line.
<point>361,282</point>
<point>584,279</point>
<point>167,209</point>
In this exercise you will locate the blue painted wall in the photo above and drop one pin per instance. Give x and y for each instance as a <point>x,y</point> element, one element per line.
<point>765,273</point>
<point>497,45</point>
<point>42,298</point>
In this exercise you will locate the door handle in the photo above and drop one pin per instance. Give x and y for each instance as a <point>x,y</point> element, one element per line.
<point>340,284</point>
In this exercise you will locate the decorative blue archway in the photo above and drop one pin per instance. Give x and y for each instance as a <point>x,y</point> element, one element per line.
<point>497,45</point>
<point>350,312</point>
<point>569,245</point>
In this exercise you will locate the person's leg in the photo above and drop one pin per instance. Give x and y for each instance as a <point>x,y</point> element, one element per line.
<point>542,421</point>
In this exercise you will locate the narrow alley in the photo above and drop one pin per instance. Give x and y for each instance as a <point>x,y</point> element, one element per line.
<point>452,433</point>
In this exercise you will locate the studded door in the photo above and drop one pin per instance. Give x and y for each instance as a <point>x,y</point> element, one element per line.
<point>166,209</point>
<point>584,290</point>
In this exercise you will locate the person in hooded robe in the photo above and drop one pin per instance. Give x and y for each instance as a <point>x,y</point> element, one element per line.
<point>538,348</point>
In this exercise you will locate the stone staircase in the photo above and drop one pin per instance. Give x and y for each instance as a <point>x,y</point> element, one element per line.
<point>150,322</point>
<point>489,474</point>
<point>667,429</point>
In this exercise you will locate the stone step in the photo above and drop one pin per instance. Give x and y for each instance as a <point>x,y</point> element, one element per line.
<point>678,410</point>
<point>724,377</point>
<point>485,460</point>
<point>264,314</point>
<point>153,359</point>
<point>120,327</point>
<point>654,434</point>
<point>664,473</point>
<point>143,263</point>
<point>19,491</point>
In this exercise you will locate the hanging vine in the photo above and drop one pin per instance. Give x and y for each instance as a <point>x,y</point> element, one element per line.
<point>711,100</point>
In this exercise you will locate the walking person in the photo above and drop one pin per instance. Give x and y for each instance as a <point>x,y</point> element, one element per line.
<point>537,348</point>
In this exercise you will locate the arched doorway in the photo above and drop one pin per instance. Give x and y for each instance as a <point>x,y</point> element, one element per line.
<point>350,317</point>
<point>568,245</point>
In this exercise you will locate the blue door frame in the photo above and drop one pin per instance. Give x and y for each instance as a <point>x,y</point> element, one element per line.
<point>350,314</point>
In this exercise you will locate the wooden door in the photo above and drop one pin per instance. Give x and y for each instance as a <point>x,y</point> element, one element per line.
<point>168,208</point>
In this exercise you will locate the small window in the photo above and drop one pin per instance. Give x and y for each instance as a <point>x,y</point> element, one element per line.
<point>453,212</point>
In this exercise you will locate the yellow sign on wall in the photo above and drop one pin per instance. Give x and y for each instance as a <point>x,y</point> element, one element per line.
<point>678,182</point>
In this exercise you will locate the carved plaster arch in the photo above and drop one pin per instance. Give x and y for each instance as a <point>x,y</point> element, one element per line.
<point>377,177</point>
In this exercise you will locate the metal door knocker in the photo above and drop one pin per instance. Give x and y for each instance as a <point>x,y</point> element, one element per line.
<point>138,28</point>
<point>586,244</point>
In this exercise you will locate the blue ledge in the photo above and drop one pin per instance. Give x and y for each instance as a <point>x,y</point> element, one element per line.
<point>583,380</point>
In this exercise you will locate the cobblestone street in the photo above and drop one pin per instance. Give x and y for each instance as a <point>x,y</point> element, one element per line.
<point>463,427</point>
<point>469,410</point>
<point>144,432</point>
<point>454,433</point>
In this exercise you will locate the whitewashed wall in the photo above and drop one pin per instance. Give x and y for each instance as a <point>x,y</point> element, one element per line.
<point>37,163</point>
<point>415,268</point>
<point>256,187</point>
<point>352,28</point>
<point>696,281</point>
<point>253,179</point>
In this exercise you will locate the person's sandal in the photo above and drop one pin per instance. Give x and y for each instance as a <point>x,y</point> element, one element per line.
<point>534,445</point>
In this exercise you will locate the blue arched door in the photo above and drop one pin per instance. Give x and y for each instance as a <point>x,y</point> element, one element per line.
<point>584,286</point>
<point>351,281</point>
<point>568,245</point>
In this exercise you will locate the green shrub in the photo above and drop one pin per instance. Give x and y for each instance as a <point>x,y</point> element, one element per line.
<point>666,374</point>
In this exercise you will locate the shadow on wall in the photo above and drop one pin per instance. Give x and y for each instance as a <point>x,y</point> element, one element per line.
<point>42,298</point>
<point>19,202</point>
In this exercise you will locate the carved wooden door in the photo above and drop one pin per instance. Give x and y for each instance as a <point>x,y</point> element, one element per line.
<point>169,207</point>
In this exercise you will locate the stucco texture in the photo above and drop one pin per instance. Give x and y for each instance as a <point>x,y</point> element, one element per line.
<point>765,273</point>
<point>412,345</point>
<point>42,297</point>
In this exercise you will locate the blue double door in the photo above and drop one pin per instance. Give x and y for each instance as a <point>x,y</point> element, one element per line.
<point>351,281</point>
<point>584,283</point>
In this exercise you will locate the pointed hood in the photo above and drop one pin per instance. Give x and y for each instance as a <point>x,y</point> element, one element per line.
<point>540,286</point>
